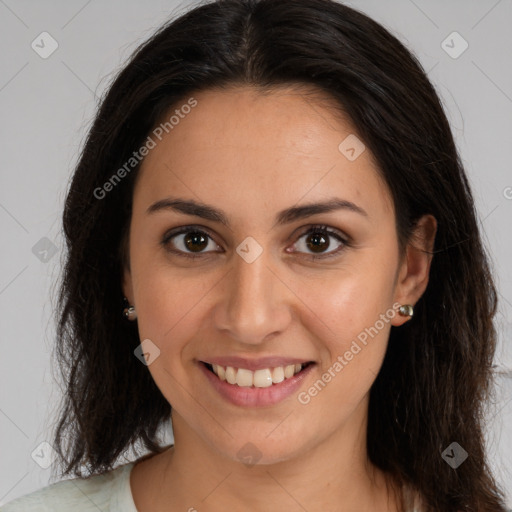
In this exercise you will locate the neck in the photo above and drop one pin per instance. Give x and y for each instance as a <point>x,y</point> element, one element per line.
<point>332,475</point>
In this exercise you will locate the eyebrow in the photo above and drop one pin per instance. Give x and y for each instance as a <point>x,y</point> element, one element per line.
<point>287,216</point>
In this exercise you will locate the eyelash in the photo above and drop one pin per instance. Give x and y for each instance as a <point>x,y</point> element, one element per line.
<point>316,229</point>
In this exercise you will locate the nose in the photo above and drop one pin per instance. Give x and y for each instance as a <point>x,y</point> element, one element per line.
<point>255,303</point>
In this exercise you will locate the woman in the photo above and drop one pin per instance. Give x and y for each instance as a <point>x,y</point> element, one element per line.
<point>328,343</point>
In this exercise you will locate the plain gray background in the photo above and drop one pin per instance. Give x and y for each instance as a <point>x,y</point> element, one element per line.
<point>47,105</point>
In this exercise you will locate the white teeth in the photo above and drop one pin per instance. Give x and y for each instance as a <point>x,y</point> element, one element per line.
<point>260,378</point>
<point>231,375</point>
<point>278,375</point>
<point>221,372</point>
<point>244,377</point>
<point>289,371</point>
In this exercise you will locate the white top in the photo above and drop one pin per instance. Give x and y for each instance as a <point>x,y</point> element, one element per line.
<point>110,492</point>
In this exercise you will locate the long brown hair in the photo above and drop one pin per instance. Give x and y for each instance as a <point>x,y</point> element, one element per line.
<point>437,373</point>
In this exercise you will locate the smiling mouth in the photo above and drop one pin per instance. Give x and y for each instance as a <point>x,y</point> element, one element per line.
<point>262,378</point>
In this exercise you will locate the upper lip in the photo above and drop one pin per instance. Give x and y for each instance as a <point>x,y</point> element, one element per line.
<point>256,364</point>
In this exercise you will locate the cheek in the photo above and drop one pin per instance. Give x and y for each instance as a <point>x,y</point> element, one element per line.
<point>350,317</point>
<point>167,311</point>
<point>165,296</point>
<point>347,302</point>
<point>168,306</point>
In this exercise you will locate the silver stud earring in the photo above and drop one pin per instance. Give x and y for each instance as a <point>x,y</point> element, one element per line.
<point>129,312</point>
<point>406,310</point>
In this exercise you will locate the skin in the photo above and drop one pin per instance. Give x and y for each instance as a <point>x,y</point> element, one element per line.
<point>253,155</point>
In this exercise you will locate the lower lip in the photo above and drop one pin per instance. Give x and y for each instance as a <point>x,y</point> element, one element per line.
<point>256,397</point>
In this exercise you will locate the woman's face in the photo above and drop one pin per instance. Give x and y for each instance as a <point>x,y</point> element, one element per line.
<point>253,297</point>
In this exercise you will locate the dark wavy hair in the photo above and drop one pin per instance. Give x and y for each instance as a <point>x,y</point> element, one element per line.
<point>437,372</point>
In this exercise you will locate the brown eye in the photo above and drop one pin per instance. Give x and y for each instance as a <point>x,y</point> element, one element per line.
<point>189,242</point>
<point>317,240</point>
<point>195,241</point>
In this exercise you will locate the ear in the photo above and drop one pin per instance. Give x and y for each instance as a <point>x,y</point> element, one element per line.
<point>414,269</point>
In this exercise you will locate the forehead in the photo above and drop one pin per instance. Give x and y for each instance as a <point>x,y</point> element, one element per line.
<point>258,149</point>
